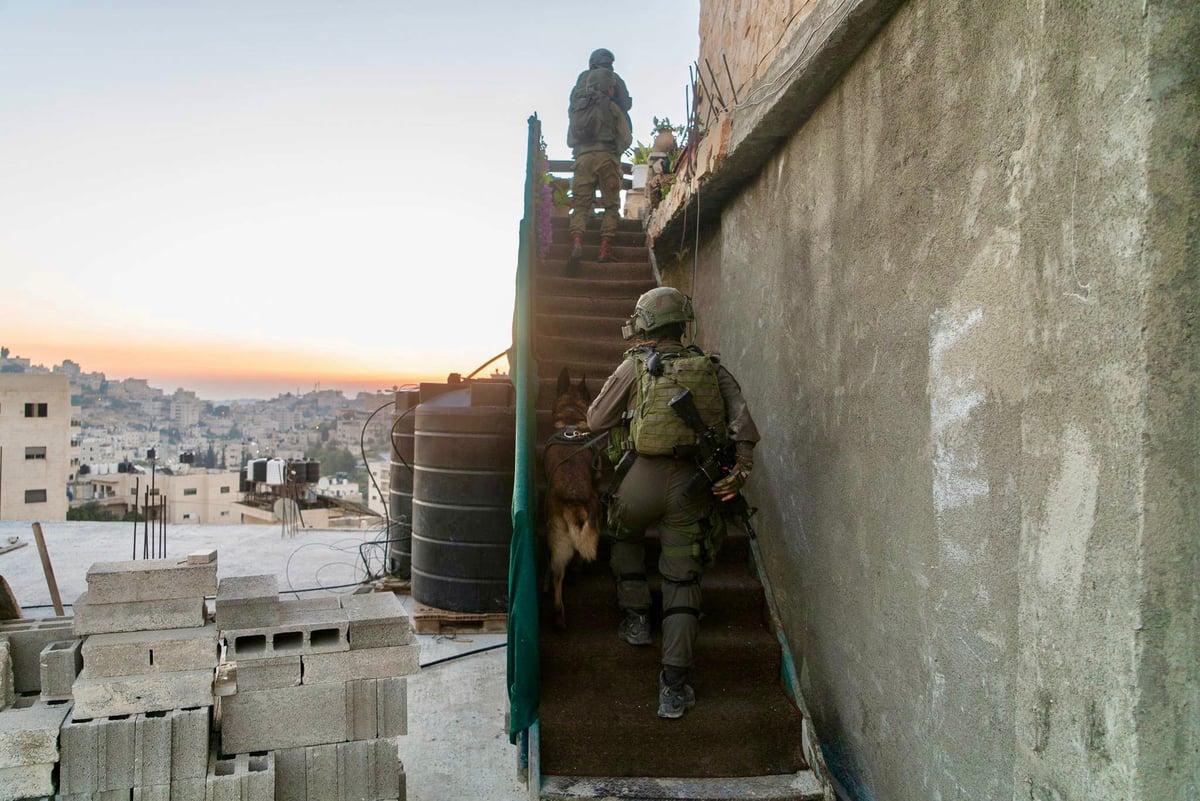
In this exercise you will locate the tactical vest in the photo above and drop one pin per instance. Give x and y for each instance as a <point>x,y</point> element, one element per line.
<point>654,427</point>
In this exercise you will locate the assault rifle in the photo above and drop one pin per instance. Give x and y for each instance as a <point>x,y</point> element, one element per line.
<point>713,459</point>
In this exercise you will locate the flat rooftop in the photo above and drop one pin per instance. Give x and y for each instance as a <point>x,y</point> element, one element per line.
<point>457,745</point>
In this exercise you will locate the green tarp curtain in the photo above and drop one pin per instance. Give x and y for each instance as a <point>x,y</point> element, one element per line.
<point>523,659</point>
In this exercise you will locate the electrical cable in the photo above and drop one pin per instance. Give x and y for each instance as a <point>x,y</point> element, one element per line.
<point>446,659</point>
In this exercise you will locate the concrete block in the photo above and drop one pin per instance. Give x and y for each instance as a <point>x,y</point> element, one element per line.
<point>299,632</point>
<point>268,674</point>
<point>8,692</point>
<point>149,580</point>
<point>116,742</point>
<point>152,749</point>
<point>137,653</point>
<point>253,721</point>
<point>201,557</point>
<point>79,758</point>
<point>289,607</point>
<point>171,613</point>
<point>29,736</point>
<point>291,773</point>
<point>362,708</point>
<point>189,790</point>
<point>246,602</point>
<point>369,663</point>
<point>389,771</point>
<point>322,768</point>
<point>27,637</point>
<point>130,695</point>
<point>190,743</point>
<point>152,793</point>
<point>244,777</point>
<point>377,620</point>
<point>27,781</point>
<point>392,707</point>
<point>60,662</point>
<point>356,770</point>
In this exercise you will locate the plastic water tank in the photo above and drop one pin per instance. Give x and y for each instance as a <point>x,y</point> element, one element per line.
<point>400,483</point>
<point>463,446</point>
<point>314,471</point>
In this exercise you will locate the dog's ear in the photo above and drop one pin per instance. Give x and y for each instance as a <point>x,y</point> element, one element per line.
<point>584,392</point>
<point>564,381</point>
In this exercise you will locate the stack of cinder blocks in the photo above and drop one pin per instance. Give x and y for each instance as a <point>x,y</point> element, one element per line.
<point>319,682</point>
<point>139,727</point>
<point>38,662</point>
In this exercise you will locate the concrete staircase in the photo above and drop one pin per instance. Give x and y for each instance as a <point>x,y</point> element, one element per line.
<point>599,735</point>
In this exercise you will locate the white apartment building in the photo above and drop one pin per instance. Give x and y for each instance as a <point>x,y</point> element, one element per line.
<point>36,446</point>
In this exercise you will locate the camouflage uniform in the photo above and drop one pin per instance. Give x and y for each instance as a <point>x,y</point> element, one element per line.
<point>598,165</point>
<point>653,494</point>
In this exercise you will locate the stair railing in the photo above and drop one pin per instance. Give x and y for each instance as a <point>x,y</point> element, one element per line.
<point>524,676</point>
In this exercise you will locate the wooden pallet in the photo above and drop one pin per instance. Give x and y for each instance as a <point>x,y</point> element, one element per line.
<point>430,620</point>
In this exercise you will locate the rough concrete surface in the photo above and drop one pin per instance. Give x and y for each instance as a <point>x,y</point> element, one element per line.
<point>961,302</point>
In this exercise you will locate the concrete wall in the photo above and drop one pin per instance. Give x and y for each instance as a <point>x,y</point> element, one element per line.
<point>962,301</point>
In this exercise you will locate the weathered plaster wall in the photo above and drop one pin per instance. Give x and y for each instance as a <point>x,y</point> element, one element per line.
<point>962,301</point>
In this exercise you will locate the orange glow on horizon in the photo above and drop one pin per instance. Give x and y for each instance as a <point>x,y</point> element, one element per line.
<point>229,370</point>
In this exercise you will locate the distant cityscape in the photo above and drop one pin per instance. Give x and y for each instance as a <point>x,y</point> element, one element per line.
<point>121,419</point>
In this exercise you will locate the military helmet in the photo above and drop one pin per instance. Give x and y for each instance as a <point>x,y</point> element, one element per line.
<point>658,307</point>
<point>601,58</point>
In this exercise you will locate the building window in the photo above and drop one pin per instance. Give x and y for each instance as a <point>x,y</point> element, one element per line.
<point>35,496</point>
<point>225,513</point>
<point>35,452</point>
<point>190,491</point>
<point>35,410</point>
<point>133,491</point>
<point>187,516</point>
<point>224,490</point>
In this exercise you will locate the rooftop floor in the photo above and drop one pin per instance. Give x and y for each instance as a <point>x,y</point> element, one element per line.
<point>457,745</point>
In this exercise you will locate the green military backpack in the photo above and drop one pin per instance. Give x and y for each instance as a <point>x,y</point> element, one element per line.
<point>593,117</point>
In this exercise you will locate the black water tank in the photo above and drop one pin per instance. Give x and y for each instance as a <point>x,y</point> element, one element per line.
<point>314,471</point>
<point>258,470</point>
<point>463,447</point>
<point>400,483</point>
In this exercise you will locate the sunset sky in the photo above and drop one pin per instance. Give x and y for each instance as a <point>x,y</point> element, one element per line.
<point>247,198</point>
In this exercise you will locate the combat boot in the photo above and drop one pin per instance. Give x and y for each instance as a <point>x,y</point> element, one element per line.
<point>634,628</point>
<point>576,257</point>
<point>606,252</point>
<point>674,699</point>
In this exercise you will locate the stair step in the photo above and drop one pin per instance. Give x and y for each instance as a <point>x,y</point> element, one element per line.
<point>628,289</point>
<point>633,255</point>
<point>617,308</point>
<point>580,349</point>
<point>627,270</point>
<point>551,366</point>
<point>628,239</point>
<point>607,327</point>
<point>593,224</point>
<point>800,786</point>
<point>745,730</point>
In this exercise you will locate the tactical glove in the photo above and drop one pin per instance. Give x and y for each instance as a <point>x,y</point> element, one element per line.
<point>733,481</point>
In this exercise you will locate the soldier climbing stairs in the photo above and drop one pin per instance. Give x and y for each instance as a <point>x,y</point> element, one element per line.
<point>599,735</point>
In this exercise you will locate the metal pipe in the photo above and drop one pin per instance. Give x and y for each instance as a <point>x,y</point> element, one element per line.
<point>729,74</point>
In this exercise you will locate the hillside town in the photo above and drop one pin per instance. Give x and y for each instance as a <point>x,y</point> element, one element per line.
<point>102,434</point>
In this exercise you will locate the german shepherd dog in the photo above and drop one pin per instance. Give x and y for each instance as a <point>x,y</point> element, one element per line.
<point>572,500</point>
